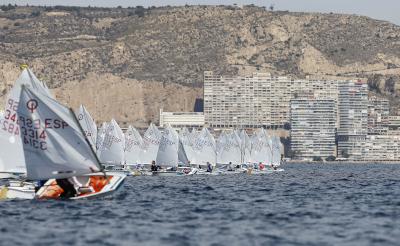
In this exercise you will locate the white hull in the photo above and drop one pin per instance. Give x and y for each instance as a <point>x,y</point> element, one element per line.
<point>111,187</point>
<point>18,190</point>
<point>236,171</point>
<point>265,171</point>
<point>174,173</point>
<point>103,186</point>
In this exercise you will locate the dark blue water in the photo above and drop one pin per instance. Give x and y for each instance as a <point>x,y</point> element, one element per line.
<point>305,205</point>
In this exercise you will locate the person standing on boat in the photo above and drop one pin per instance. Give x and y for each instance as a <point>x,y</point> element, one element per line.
<point>209,167</point>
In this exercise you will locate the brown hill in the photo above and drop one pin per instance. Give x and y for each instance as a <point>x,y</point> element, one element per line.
<point>127,63</point>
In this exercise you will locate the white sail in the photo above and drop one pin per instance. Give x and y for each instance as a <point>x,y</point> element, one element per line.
<point>133,143</point>
<point>182,156</point>
<point>205,148</point>
<point>245,146</point>
<point>229,150</point>
<point>276,151</point>
<point>260,148</point>
<point>101,133</point>
<point>11,156</point>
<point>112,149</point>
<point>167,154</point>
<point>88,125</point>
<point>151,142</point>
<point>220,142</point>
<point>53,142</point>
<point>186,139</point>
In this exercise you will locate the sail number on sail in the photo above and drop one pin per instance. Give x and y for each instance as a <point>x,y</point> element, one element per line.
<point>10,118</point>
<point>33,131</point>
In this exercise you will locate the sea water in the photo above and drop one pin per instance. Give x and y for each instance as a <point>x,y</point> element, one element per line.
<point>312,204</point>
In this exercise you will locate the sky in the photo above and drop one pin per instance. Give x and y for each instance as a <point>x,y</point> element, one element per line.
<point>378,9</point>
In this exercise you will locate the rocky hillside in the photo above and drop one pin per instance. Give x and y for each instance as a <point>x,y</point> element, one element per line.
<point>128,62</point>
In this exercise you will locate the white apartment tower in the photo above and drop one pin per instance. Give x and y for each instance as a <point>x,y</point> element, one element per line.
<point>246,102</point>
<point>313,123</point>
<point>353,119</point>
<point>257,100</point>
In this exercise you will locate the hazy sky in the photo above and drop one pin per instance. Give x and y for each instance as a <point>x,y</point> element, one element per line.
<point>378,9</point>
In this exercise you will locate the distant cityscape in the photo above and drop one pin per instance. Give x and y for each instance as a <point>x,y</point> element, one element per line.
<point>326,119</point>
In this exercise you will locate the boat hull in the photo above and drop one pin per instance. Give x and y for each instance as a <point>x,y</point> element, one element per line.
<point>18,190</point>
<point>265,171</point>
<point>102,185</point>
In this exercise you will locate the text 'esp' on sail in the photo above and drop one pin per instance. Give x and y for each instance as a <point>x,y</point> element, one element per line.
<point>53,142</point>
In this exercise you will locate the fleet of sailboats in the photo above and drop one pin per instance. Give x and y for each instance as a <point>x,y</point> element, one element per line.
<point>42,139</point>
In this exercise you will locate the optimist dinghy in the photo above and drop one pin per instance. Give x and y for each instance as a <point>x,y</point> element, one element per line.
<point>97,185</point>
<point>58,150</point>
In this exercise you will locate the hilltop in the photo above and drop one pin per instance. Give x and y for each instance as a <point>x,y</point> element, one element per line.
<point>128,62</point>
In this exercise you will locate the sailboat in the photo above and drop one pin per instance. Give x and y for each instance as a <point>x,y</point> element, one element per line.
<point>151,142</point>
<point>111,152</point>
<point>133,143</point>
<point>206,153</point>
<point>170,153</point>
<point>187,139</point>
<point>229,157</point>
<point>229,150</point>
<point>260,148</point>
<point>55,147</point>
<point>133,152</point>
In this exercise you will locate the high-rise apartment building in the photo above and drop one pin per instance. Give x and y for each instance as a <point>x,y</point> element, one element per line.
<point>353,118</point>
<point>247,102</point>
<point>257,100</point>
<point>378,115</point>
<point>313,123</point>
<point>382,148</point>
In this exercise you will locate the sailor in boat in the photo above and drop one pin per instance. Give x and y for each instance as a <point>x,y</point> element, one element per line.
<point>39,185</point>
<point>209,167</point>
<point>231,167</point>
<point>261,166</point>
<point>73,187</point>
<point>154,168</point>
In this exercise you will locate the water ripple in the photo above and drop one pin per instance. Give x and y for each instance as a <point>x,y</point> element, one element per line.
<point>305,205</point>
